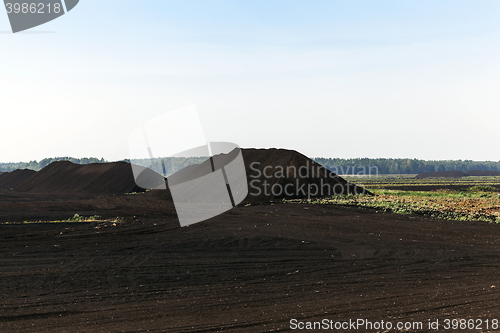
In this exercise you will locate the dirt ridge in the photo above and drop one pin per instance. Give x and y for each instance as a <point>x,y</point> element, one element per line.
<point>10,180</point>
<point>67,177</point>
<point>302,176</point>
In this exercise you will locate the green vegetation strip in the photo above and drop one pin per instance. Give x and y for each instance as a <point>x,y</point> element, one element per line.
<point>480,203</point>
<point>388,181</point>
<point>384,166</point>
<point>76,219</point>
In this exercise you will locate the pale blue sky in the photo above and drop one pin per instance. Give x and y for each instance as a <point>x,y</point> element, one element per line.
<point>418,79</point>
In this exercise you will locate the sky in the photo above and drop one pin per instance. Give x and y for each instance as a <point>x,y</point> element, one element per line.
<point>391,79</point>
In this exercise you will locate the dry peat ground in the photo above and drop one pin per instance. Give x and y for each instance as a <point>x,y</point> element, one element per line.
<point>251,269</point>
<point>255,268</point>
<point>471,199</point>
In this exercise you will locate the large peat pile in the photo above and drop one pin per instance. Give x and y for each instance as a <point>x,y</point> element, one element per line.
<point>10,180</point>
<point>272,174</point>
<point>65,177</point>
<point>280,173</point>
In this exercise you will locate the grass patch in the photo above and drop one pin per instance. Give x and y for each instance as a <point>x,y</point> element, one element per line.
<point>408,181</point>
<point>77,219</point>
<point>479,203</point>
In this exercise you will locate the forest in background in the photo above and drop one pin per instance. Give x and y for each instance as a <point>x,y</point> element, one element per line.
<point>39,165</point>
<point>388,166</point>
<point>169,164</point>
<point>341,166</point>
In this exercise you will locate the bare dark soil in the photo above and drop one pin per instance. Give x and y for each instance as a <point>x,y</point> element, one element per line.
<point>9,180</point>
<point>251,269</point>
<point>488,173</point>
<point>265,169</point>
<point>457,174</point>
<point>434,187</point>
<point>438,174</point>
<point>66,177</point>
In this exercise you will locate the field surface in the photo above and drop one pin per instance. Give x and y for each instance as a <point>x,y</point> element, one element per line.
<point>410,183</point>
<point>252,269</point>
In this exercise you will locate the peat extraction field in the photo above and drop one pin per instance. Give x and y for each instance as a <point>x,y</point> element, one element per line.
<point>411,183</point>
<point>475,198</point>
<point>249,166</point>
<point>121,263</point>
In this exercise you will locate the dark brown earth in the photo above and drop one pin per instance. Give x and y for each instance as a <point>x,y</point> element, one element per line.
<point>432,187</point>
<point>482,173</point>
<point>452,174</point>
<point>9,180</point>
<point>265,168</point>
<point>457,174</point>
<point>251,269</point>
<point>268,168</point>
<point>67,177</point>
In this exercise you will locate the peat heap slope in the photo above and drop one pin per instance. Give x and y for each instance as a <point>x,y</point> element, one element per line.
<point>272,174</point>
<point>275,174</point>
<point>482,173</point>
<point>9,180</point>
<point>65,177</point>
<point>441,174</point>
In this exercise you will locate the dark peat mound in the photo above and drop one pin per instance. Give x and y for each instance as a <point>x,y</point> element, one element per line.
<point>271,174</point>
<point>281,173</point>
<point>65,177</point>
<point>441,174</point>
<point>10,180</point>
<point>482,173</point>
<point>275,174</point>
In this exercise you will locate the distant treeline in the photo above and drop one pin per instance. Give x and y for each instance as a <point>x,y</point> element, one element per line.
<point>171,164</point>
<point>373,166</point>
<point>168,165</point>
<point>356,166</point>
<point>34,165</point>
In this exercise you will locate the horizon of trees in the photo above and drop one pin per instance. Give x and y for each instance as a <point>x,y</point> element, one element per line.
<point>37,166</point>
<point>341,166</point>
<point>385,166</point>
<point>169,164</point>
